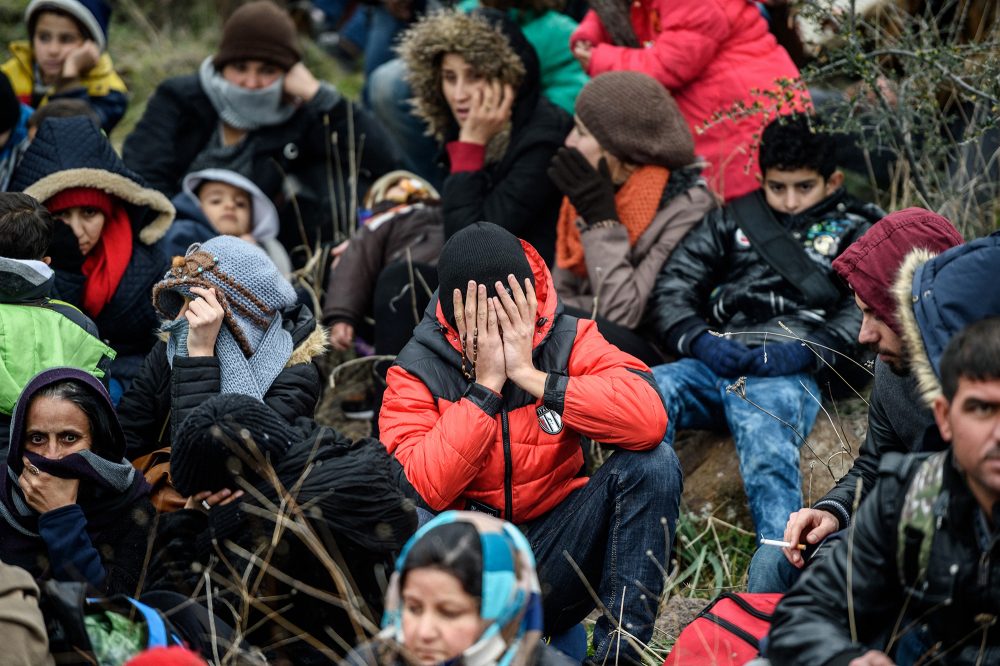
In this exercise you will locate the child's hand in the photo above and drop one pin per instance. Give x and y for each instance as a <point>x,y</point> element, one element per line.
<point>81,60</point>
<point>205,316</point>
<point>582,52</point>
<point>489,113</point>
<point>341,336</point>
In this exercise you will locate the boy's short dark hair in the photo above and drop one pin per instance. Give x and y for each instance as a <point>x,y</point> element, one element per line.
<point>974,353</point>
<point>25,227</point>
<point>795,142</point>
<point>64,107</point>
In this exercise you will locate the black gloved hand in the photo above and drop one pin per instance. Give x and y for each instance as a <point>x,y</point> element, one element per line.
<point>590,190</point>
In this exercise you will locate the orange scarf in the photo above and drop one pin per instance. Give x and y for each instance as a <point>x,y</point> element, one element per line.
<point>637,202</point>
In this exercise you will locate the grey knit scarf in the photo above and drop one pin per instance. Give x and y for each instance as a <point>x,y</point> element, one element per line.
<point>251,376</point>
<point>242,108</point>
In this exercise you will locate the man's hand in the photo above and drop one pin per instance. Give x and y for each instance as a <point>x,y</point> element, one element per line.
<point>80,60</point>
<point>489,113</point>
<point>872,658</point>
<point>516,312</point>
<point>341,336</point>
<point>44,492</point>
<point>476,321</point>
<point>582,51</point>
<point>300,84</point>
<point>206,499</point>
<point>205,316</point>
<point>812,525</point>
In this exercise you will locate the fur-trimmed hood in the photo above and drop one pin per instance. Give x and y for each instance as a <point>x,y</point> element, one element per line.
<point>939,295</point>
<point>72,152</point>
<point>489,41</point>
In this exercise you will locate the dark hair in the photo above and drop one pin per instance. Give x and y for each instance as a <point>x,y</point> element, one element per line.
<point>64,107</point>
<point>52,9</point>
<point>974,353</point>
<point>453,548</point>
<point>796,142</point>
<point>25,227</point>
<point>99,415</point>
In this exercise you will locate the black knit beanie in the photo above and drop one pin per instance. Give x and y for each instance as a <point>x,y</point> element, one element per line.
<point>259,30</point>
<point>484,252</point>
<point>10,106</point>
<point>216,443</point>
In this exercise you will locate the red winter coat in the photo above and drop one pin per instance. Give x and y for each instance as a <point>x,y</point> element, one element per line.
<point>709,54</point>
<point>449,434</point>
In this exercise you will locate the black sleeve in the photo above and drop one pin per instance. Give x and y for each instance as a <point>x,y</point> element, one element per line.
<point>145,407</point>
<point>295,391</point>
<point>175,551</point>
<point>811,624</point>
<point>193,381</point>
<point>126,559</point>
<point>684,283</point>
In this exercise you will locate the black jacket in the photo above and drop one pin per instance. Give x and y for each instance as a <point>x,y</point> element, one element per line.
<point>351,502</point>
<point>955,600</point>
<point>515,192</point>
<point>180,120</point>
<point>159,398</point>
<point>897,421</point>
<point>715,280</point>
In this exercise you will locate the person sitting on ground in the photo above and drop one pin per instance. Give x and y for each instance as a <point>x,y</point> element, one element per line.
<point>241,466</point>
<point>39,332</point>
<point>256,109</point>
<point>897,418</point>
<point>232,325</point>
<point>66,57</point>
<point>219,201</point>
<point>64,107</point>
<point>752,272</point>
<point>71,506</point>
<point>465,590</point>
<point>475,83</point>
<point>633,190</point>
<point>105,252</point>
<point>726,71</point>
<point>14,117</point>
<point>919,580</point>
<point>487,407</point>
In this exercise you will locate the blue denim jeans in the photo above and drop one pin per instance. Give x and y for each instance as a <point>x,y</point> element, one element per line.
<point>618,529</point>
<point>388,96</point>
<point>768,449</point>
<point>770,571</point>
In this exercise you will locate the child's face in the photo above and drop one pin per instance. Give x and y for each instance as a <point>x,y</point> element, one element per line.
<point>86,224</point>
<point>792,192</point>
<point>440,619</point>
<point>55,36</point>
<point>227,208</point>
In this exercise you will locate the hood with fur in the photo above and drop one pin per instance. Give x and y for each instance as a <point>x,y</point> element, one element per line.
<point>939,295</point>
<point>489,41</point>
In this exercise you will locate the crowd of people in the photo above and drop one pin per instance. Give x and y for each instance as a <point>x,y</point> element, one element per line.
<point>568,242</point>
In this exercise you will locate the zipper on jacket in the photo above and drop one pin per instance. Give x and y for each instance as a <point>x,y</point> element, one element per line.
<point>508,470</point>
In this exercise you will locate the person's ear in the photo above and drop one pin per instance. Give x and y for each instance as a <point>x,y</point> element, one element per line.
<point>941,406</point>
<point>834,182</point>
<point>47,260</point>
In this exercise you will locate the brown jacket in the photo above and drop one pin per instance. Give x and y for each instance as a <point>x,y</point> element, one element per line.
<point>625,275</point>
<point>21,622</point>
<point>351,285</point>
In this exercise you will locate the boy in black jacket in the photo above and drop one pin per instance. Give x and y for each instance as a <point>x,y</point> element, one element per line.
<point>759,272</point>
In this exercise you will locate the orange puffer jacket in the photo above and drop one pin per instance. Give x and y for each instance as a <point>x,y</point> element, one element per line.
<point>461,446</point>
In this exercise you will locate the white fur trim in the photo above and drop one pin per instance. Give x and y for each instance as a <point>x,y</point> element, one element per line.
<point>928,383</point>
<point>76,10</point>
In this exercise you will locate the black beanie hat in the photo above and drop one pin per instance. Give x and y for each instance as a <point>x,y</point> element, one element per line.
<point>259,30</point>
<point>10,106</point>
<point>216,443</point>
<point>484,252</point>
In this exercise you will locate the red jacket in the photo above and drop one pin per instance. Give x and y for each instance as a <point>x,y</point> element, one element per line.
<point>710,55</point>
<point>459,441</point>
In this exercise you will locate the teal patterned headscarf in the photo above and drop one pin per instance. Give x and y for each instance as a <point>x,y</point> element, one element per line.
<point>511,596</point>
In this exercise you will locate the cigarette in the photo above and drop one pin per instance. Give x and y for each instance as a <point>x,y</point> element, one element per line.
<point>782,544</point>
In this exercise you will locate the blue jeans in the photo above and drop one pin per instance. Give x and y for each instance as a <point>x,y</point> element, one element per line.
<point>388,96</point>
<point>618,529</point>
<point>770,571</point>
<point>768,450</point>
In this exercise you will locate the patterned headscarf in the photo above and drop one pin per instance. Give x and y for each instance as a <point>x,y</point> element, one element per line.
<point>511,596</point>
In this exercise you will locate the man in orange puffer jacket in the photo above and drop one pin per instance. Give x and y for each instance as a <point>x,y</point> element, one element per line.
<point>487,408</point>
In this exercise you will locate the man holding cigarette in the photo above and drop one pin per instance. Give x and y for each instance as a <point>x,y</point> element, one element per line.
<point>897,420</point>
<point>918,576</point>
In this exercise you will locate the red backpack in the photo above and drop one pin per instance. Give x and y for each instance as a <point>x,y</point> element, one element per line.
<point>726,633</point>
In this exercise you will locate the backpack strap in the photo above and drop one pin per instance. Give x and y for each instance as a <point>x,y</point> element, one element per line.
<point>924,505</point>
<point>781,251</point>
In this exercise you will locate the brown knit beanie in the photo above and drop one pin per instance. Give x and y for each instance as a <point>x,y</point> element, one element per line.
<point>259,30</point>
<point>635,119</point>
